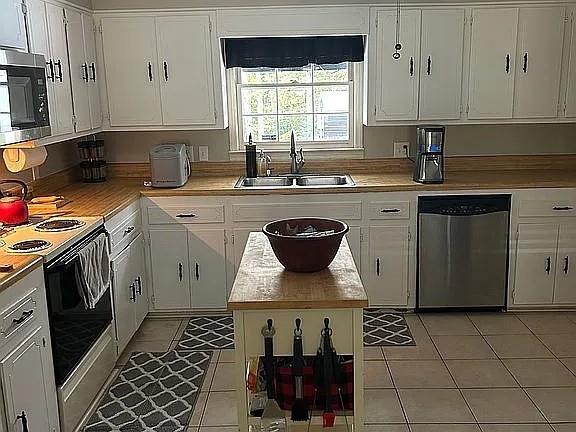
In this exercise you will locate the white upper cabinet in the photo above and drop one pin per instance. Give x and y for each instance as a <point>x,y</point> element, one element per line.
<point>12,24</point>
<point>571,89</point>
<point>539,62</point>
<point>395,82</point>
<point>187,87</point>
<point>441,64</point>
<point>131,71</point>
<point>93,75</point>
<point>492,63</point>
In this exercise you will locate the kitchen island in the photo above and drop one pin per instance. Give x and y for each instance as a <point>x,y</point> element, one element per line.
<point>264,290</point>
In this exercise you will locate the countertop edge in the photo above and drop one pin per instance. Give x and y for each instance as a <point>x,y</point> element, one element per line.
<point>308,304</point>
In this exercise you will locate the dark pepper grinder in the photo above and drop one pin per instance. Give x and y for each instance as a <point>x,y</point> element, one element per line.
<point>251,169</point>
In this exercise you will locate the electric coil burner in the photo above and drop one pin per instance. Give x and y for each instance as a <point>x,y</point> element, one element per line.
<point>59,225</point>
<point>29,246</point>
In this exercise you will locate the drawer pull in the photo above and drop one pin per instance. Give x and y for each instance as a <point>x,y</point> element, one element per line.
<point>128,230</point>
<point>25,315</point>
<point>389,210</point>
<point>186,215</point>
<point>563,208</point>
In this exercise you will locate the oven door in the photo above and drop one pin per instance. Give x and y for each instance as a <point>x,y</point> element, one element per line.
<point>74,328</point>
<point>23,98</point>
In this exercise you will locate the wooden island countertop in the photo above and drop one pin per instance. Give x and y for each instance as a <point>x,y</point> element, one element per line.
<point>263,283</point>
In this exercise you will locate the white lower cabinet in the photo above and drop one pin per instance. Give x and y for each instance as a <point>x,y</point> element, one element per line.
<point>130,291</point>
<point>27,385</point>
<point>386,280</point>
<point>545,257</point>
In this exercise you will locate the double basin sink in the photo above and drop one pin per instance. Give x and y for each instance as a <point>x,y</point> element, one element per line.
<point>296,180</point>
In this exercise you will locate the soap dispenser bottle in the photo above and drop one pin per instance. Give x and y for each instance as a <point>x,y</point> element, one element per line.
<point>251,167</point>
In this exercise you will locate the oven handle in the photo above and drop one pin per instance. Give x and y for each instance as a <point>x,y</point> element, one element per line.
<point>69,257</point>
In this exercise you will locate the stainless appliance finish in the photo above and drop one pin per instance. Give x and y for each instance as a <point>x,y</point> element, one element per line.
<point>429,154</point>
<point>295,181</point>
<point>463,251</point>
<point>23,97</point>
<point>169,165</point>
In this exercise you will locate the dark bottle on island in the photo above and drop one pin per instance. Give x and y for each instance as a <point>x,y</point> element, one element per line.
<point>251,169</point>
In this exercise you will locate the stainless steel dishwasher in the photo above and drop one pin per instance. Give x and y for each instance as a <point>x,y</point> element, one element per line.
<point>463,251</point>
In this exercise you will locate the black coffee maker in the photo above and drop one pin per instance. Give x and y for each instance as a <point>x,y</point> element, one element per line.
<point>428,151</point>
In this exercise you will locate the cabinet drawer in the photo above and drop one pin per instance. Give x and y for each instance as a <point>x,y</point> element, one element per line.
<point>126,231</point>
<point>389,210</point>
<point>18,317</point>
<point>186,215</point>
<point>270,212</point>
<point>543,208</point>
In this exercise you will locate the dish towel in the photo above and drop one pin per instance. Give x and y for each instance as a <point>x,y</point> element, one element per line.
<point>93,270</point>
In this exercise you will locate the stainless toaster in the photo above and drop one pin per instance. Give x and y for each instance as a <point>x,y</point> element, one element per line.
<point>169,165</point>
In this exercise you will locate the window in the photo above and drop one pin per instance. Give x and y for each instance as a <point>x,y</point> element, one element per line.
<point>316,102</point>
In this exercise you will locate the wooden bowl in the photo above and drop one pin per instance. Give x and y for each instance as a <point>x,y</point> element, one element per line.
<point>305,254</point>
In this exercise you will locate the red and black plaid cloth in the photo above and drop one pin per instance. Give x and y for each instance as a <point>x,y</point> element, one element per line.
<point>285,385</point>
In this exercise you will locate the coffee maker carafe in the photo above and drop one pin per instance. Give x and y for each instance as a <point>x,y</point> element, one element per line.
<point>429,154</point>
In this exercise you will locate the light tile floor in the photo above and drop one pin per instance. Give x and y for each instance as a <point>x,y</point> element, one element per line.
<point>468,373</point>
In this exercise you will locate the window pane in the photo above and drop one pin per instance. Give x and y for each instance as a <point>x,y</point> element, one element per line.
<point>258,100</point>
<point>330,127</point>
<point>295,75</point>
<point>293,100</point>
<point>258,76</point>
<point>262,128</point>
<point>331,99</point>
<point>300,124</point>
<point>331,72</point>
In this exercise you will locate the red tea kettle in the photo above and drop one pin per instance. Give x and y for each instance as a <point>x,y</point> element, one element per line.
<point>13,209</point>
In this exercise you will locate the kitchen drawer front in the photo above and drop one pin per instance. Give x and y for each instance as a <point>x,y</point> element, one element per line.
<point>341,322</point>
<point>388,210</point>
<point>17,318</point>
<point>544,208</point>
<point>125,232</point>
<point>270,212</point>
<point>185,215</point>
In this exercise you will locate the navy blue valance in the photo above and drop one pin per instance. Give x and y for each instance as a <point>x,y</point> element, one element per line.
<point>284,52</point>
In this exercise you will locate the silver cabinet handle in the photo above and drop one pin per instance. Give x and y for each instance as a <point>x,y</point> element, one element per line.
<point>129,229</point>
<point>186,215</point>
<point>389,210</point>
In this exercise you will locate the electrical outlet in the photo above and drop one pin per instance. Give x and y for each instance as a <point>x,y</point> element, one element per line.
<point>401,149</point>
<point>190,152</point>
<point>203,153</point>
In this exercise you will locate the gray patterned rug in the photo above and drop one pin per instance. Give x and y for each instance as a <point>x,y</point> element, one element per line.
<point>385,328</point>
<point>154,392</point>
<point>208,333</point>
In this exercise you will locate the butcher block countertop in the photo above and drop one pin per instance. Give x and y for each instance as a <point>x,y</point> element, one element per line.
<point>23,264</point>
<point>263,283</point>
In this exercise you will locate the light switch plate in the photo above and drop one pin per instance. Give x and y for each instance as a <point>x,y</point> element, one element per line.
<point>203,153</point>
<point>399,151</point>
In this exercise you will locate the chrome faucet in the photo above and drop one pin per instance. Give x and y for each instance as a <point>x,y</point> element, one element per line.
<point>296,163</point>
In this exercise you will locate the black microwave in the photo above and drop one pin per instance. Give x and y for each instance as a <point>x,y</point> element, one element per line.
<point>23,97</point>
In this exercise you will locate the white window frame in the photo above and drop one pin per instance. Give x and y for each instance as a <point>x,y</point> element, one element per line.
<point>350,149</point>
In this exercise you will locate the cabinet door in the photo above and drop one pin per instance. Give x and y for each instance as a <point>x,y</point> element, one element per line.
<point>78,70</point>
<point>571,86</point>
<point>387,283</point>
<point>139,276</point>
<point>185,61</point>
<point>565,290</point>
<point>492,63</point>
<point>396,81</point>
<point>441,64</point>
<point>539,60</point>
<point>535,264</point>
<point>170,275</point>
<point>12,26</point>
<point>27,384</point>
<point>131,74</point>
<point>124,299</point>
<point>62,88</point>
<point>207,258</point>
<point>93,77</point>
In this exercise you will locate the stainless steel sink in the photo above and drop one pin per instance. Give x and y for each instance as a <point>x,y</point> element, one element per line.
<point>295,181</point>
<point>325,180</point>
<point>279,181</point>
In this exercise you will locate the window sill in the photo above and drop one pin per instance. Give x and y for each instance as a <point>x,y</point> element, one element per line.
<point>312,154</point>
